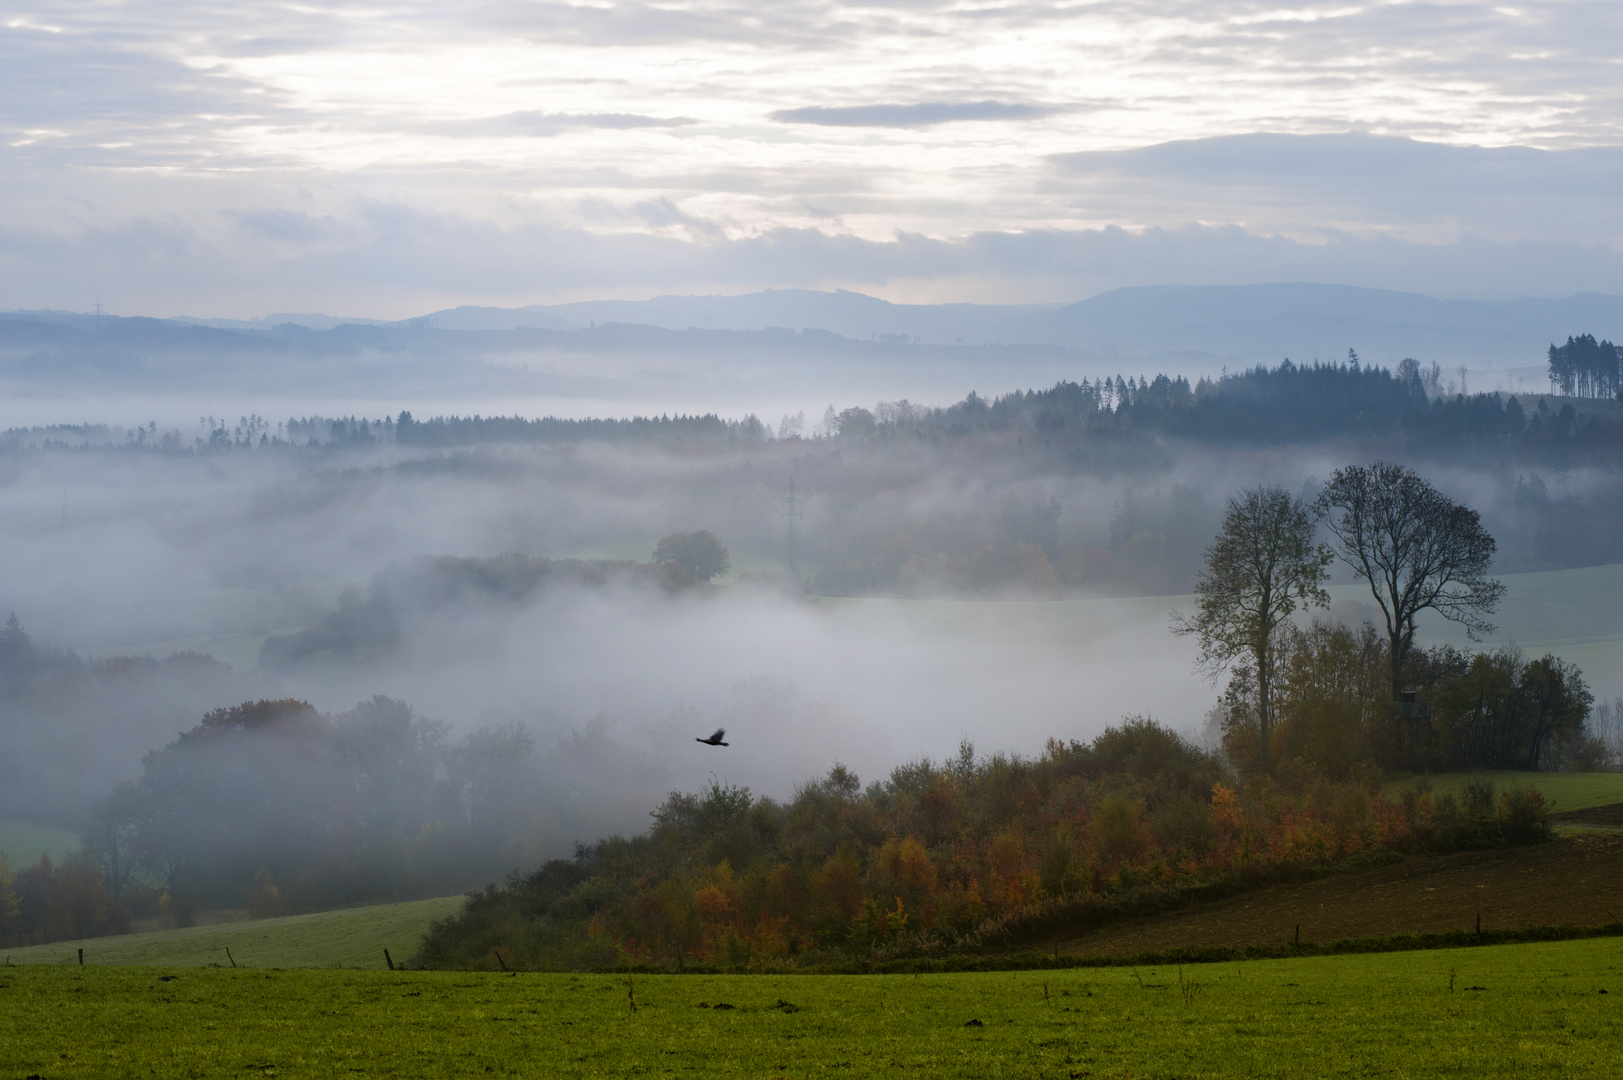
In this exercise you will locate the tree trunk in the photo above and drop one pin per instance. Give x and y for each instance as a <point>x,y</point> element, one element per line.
<point>1400,723</point>
<point>1264,706</point>
<point>1397,669</point>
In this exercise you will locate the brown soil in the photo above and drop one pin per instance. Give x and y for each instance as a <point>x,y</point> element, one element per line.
<point>1576,880</point>
<point>1610,816</point>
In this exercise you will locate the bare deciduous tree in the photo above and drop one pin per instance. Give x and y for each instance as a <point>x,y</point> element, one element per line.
<point>1263,564</point>
<point>1417,549</point>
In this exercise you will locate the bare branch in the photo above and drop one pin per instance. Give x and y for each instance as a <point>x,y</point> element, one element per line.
<point>1416,548</point>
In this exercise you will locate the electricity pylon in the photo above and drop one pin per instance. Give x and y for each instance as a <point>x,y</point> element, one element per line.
<point>791,513</point>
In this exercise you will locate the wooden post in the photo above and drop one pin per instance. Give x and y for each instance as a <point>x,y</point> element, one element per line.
<point>388,960</point>
<point>231,958</point>
<point>1298,942</point>
<point>81,958</point>
<point>1479,922</point>
<point>498,951</point>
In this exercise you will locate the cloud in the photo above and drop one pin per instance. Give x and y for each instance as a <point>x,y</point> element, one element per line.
<point>1359,159</point>
<point>543,124</point>
<point>663,214</point>
<point>923,114</point>
<point>1315,131</point>
<point>394,260</point>
<point>286,226</point>
<point>1357,182</point>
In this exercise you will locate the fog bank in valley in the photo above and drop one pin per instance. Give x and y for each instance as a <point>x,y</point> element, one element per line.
<point>997,574</point>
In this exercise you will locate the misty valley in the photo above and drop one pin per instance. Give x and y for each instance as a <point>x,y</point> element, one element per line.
<point>809,540</point>
<point>269,669</point>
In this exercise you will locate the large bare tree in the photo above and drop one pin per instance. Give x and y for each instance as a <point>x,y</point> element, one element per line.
<point>1417,548</point>
<point>1263,564</point>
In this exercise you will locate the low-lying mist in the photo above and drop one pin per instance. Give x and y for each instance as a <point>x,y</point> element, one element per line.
<point>997,585</point>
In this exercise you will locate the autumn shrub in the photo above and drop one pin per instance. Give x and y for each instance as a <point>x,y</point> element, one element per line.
<point>46,902</point>
<point>941,854</point>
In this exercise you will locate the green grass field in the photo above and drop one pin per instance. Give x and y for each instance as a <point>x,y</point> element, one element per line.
<point>1571,613</point>
<point>1505,1011</point>
<point>350,938</point>
<point>1563,791</point>
<point>22,843</point>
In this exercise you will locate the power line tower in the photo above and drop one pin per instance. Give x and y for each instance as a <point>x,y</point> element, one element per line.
<point>99,316</point>
<point>791,514</point>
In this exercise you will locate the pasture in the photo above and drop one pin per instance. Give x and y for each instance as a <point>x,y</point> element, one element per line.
<point>348,937</point>
<point>23,842</point>
<point>1561,791</point>
<point>1503,1011</point>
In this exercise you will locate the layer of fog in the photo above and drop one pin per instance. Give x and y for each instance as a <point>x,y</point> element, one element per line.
<point>144,553</point>
<point>149,553</point>
<point>796,686</point>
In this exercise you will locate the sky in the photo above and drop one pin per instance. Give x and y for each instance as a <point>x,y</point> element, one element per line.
<point>390,158</point>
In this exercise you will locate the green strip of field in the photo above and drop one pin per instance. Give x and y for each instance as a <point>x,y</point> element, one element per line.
<point>350,938</point>
<point>1563,791</point>
<point>1506,1011</point>
<point>1571,613</point>
<point>23,842</point>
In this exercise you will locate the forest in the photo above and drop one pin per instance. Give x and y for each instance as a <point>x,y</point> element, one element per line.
<point>1286,403</point>
<point>1586,368</point>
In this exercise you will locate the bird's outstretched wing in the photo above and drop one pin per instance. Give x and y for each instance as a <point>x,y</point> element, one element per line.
<point>715,740</point>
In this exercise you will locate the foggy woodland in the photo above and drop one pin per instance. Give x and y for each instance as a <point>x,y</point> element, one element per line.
<point>295,663</point>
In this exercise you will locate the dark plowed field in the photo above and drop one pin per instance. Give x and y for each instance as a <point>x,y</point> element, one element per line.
<point>1610,816</point>
<point>1574,880</point>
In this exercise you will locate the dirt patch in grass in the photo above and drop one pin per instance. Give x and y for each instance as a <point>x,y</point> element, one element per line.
<point>1572,880</point>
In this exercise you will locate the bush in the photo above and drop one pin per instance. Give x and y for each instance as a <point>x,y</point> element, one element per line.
<point>952,855</point>
<point>46,903</point>
<point>1476,819</point>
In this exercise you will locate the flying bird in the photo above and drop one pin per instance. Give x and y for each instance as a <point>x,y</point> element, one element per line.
<point>715,740</point>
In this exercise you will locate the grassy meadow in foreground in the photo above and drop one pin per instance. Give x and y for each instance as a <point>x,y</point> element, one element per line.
<point>1519,1010</point>
<point>349,937</point>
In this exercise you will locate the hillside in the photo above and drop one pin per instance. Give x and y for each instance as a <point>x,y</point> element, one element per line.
<point>350,938</point>
<point>1569,881</point>
<point>1261,323</point>
<point>23,842</point>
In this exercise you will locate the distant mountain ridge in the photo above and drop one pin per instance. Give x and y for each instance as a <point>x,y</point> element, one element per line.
<point>849,314</point>
<point>1184,327</point>
<point>1267,323</point>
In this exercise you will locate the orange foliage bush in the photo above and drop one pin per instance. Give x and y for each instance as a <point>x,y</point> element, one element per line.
<point>940,852</point>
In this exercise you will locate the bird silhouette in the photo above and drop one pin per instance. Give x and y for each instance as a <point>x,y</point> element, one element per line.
<point>715,740</point>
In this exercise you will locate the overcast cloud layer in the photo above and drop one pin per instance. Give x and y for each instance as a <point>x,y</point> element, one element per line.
<point>389,159</point>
